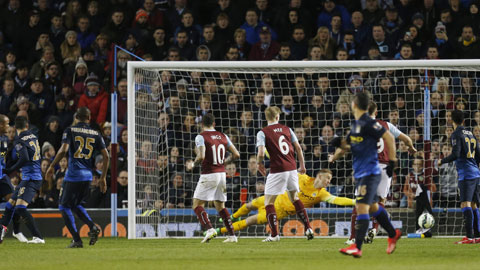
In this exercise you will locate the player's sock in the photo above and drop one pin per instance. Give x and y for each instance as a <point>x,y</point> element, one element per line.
<point>363,221</point>
<point>272,219</point>
<point>237,226</point>
<point>375,222</point>
<point>301,213</point>
<point>242,211</point>
<point>468,217</point>
<point>70,222</point>
<point>227,220</point>
<point>83,215</point>
<point>8,214</point>
<point>353,220</point>
<point>382,217</point>
<point>16,223</point>
<point>203,217</point>
<point>29,221</point>
<point>476,222</point>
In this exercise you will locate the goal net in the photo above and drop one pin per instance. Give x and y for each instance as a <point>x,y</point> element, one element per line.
<point>166,101</point>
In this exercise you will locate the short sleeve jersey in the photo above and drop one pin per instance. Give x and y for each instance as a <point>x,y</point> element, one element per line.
<point>83,141</point>
<point>216,144</point>
<point>31,169</point>
<point>278,140</point>
<point>466,146</point>
<point>363,137</point>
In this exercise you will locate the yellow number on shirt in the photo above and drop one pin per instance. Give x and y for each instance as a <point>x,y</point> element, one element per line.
<point>472,145</point>
<point>37,154</point>
<point>81,145</point>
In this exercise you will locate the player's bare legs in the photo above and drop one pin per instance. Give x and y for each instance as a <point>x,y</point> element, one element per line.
<point>301,213</point>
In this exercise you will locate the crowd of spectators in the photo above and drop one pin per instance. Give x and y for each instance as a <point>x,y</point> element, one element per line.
<point>56,56</point>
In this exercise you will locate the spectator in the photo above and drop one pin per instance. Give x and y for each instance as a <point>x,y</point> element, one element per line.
<point>323,40</point>
<point>392,23</point>
<point>355,85</point>
<point>115,29</point>
<point>96,19</point>
<point>372,12</point>
<point>329,9</point>
<point>213,44</point>
<point>442,42</point>
<point>193,31</point>
<point>52,133</point>
<point>84,35</point>
<point>253,27</point>
<point>22,82</point>
<point>379,39</point>
<point>298,43</point>
<point>186,49</point>
<point>95,99</point>
<point>7,96</point>
<point>266,48</point>
<point>240,41</point>
<point>122,189</point>
<point>159,47</point>
<point>70,48</point>
<point>360,28</point>
<point>43,100</point>
<point>178,194</point>
<point>57,30</point>
<point>100,48</point>
<point>447,180</point>
<point>156,17</point>
<point>223,29</point>
<point>234,185</point>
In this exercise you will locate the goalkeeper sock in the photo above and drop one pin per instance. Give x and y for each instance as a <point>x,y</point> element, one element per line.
<point>301,213</point>
<point>476,222</point>
<point>272,219</point>
<point>227,220</point>
<point>242,211</point>
<point>70,222</point>
<point>8,214</point>
<point>353,220</point>
<point>468,217</point>
<point>29,221</point>
<point>237,226</point>
<point>382,217</point>
<point>363,221</point>
<point>203,217</point>
<point>83,215</point>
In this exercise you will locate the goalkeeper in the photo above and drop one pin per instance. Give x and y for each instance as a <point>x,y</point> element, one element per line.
<point>312,191</point>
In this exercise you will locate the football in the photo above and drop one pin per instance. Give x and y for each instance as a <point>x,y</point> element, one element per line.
<point>426,221</point>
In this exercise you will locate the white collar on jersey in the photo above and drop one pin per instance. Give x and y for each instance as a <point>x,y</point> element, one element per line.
<point>209,130</point>
<point>273,123</point>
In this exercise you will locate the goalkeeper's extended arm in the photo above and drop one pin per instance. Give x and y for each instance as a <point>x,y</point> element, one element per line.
<point>342,201</point>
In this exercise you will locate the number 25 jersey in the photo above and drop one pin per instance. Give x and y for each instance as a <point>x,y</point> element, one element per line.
<point>83,141</point>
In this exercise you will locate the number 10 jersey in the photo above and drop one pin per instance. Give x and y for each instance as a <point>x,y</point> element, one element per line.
<point>216,144</point>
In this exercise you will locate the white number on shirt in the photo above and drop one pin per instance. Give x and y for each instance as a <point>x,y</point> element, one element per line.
<point>218,154</point>
<point>283,145</point>
<point>380,145</point>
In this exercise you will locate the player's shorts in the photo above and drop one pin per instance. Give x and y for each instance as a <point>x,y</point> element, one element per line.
<point>259,203</point>
<point>5,186</point>
<point>26,190</point>
<point>74,193</point>
<point>366,189</point>
<point>212,187</point>
<point>277,183</point>
<point>385,182</point>
<point>469,190</point>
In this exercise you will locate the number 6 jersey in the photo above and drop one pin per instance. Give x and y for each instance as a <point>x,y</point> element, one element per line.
<point>83,141</point>
<point>278,139</point>
<point>216,144</point>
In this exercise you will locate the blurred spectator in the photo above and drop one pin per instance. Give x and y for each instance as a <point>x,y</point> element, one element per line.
<point>212,43</point>
<point>122,189</point>
<point>179,196</point>
<point>192,30</point>
<point>70,48</point>
<point>467,46</point>
<point>266,48</point>
<point>95,99</point>
<point>330,8</point>
<point>43,100</point>
<point>51,132</point>
<point>240,41</point>
<point>298,43</point>
<point>447,180</point>
<point>234,185</point>
<point>325,42</point>
<point>115,29</point>
<point>7,96</point>
<point>158,48</point>
<point>253,27</point>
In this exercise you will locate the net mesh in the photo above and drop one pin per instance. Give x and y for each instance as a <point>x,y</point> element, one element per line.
<point>169,104</point>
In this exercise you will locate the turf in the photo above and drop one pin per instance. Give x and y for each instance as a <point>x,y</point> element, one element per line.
<point>247,254</point>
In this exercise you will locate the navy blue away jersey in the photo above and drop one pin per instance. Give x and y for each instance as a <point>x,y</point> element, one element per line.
<point>3,153</point>
<point>464,149</point>
<point>363,138</point>
<point>28,149</point>
<point>83,141</point>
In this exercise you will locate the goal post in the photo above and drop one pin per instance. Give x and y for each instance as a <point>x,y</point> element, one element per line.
<point>166,101</point>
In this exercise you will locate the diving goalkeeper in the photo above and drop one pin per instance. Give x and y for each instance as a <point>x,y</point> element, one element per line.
<point>312,191</point>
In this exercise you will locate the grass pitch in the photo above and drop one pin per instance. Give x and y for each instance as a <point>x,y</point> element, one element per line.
<point>247,254</point>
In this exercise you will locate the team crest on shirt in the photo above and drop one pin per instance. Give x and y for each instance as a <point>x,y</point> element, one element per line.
<point>454,142</point>
<point>377,126</point>
<point>21,191</point>
<point>41,103</point>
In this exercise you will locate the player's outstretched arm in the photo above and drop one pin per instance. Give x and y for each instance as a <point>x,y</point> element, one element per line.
<point>390,143</point>
<point>103,177</point>
<point>301,158</point>
<point>260,158</point>
<point>408,142</point>
<point>456,150</point>
<point>60,154</point>
<point>200,155</point>
<point>234,156</point>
